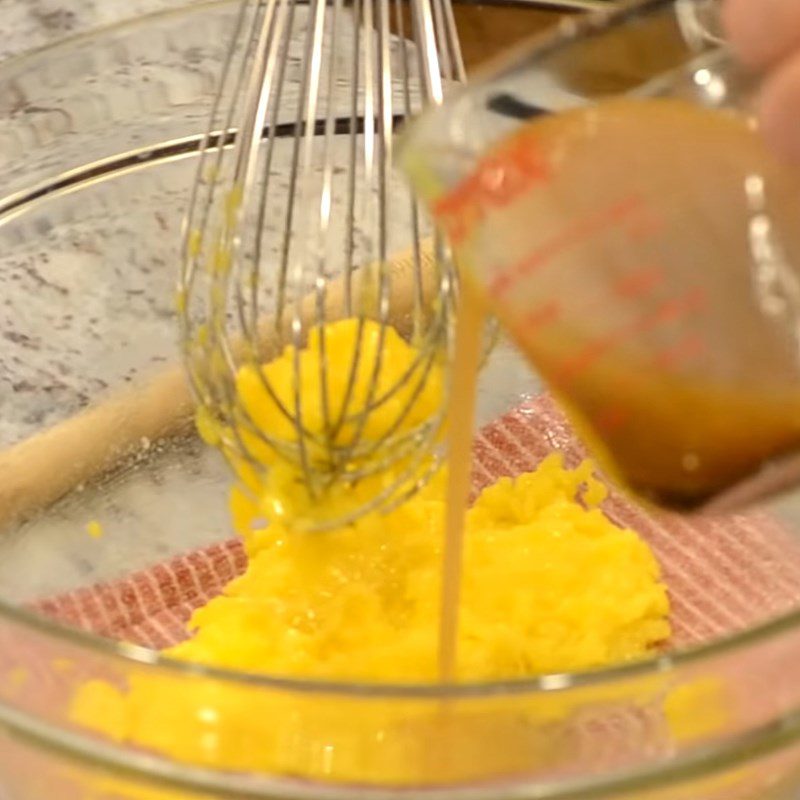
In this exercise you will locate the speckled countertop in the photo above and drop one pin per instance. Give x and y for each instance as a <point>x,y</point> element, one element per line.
<point>46,286</point>
<point>26,24</point>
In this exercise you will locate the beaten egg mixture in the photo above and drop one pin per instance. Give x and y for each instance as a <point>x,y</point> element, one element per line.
<point>550,584</point>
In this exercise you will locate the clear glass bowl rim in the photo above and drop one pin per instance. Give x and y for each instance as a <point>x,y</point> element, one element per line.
<point>770,738</point>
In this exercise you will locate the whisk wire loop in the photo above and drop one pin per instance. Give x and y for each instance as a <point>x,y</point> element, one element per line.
<point>294,226</point>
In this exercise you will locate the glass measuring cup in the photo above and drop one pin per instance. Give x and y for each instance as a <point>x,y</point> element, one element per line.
<point>642,248</point>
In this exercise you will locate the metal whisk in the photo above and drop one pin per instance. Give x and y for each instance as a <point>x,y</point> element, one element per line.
<point>296,220</point>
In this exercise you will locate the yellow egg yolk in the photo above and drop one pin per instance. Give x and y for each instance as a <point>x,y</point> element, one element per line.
<point>362,397</point>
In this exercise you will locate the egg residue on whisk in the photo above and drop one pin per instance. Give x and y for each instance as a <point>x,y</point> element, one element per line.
<point>356,395</point>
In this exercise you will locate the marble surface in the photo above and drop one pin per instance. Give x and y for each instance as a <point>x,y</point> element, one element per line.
<point>87,287</point>
<point>28,24</point>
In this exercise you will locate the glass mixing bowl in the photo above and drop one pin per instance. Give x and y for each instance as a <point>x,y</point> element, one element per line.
<point>98,137</point>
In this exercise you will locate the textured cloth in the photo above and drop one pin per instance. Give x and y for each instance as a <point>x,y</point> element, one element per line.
<point>723,573</point>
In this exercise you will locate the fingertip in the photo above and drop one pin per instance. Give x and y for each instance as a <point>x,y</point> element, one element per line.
<point>735,21</point>
<point>762,31</point>
<point>741,21</point>
<point>779,110</point>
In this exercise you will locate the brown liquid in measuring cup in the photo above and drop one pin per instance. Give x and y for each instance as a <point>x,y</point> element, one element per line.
<point>645,256</point>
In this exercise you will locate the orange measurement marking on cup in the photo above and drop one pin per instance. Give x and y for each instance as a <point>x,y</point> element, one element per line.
<point>576,234</point>
<point>588,355</point>
<point>645,226</point>
<point>611,419</point>
<point>693,300</point>
<point>629,385</point>
<point>668,311</point>
<point>499,179</point>
<point>685,349</point>
<point>639,282</point>
<point>541,316</point>
<point>633,285</point>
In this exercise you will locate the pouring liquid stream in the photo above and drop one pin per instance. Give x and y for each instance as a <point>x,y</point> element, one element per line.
<point>468,350</point>
<point>660,302</point>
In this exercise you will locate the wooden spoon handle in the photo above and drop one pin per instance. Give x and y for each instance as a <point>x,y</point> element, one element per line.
<point>82,449</point>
